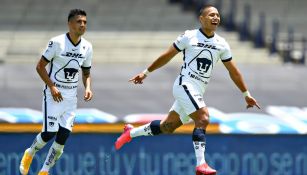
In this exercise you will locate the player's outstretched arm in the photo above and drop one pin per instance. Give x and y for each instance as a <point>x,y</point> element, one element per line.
<point>237,78</point>
<point>159,62</point>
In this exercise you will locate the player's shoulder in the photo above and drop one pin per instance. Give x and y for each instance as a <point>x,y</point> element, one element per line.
<point>55,41</point>
<point>86,42</point>
<point>58,39</point>
<point>190,33</point>
<point>219,38</point>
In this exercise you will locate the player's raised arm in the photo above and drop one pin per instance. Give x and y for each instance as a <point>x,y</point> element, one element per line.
<point>237,78</point>
<point>159,62</point>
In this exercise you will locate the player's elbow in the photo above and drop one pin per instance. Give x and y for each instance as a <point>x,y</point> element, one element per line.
<point>39,68</point>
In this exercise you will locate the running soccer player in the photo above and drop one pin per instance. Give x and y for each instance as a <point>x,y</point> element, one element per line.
<point>65,54</point>
<point>202,48</point>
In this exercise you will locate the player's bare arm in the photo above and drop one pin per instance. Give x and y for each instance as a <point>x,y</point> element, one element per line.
<point>41,70</point>
<point>237,78</point>
<point>86,78</point>
<point>159,62</point>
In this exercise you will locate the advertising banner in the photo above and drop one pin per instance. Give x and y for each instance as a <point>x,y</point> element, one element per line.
<point>94,154</point>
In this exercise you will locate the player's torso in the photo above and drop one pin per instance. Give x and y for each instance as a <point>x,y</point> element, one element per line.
<point>200,57</point>
<point>65,66</point>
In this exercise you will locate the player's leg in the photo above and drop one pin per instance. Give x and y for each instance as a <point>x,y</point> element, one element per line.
<point>156,127</point>
<point>48,132</point>
<point>201,119</point>
<point>56,149</point>
<point>190,99</point>
<point>39,142</point>
<point>170,123</point>
<point>65,127</point>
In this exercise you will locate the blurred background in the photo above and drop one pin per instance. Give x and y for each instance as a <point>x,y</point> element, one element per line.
<point>268,42</point>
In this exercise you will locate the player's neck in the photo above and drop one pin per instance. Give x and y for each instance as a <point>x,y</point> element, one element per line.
<point>74,38</point>
<point>208,32</point>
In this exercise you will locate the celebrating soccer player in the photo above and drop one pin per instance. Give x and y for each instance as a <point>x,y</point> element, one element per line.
<point>202,48</point>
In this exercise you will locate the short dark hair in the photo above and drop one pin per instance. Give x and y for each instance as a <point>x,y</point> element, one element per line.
<point>203,8</point>
<point>75,12</point>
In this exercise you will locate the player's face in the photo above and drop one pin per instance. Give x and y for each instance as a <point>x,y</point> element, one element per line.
<point>77,25</point>
<point>210,19</point>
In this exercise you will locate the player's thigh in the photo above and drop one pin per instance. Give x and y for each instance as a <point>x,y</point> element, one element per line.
<point>68,117</point>
<point>51,113</point>
<point>189,99</point>
<point>183,116</point>
<point>171,122</point>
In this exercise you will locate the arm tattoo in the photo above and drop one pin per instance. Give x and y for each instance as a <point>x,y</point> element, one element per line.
<point>86,72</point>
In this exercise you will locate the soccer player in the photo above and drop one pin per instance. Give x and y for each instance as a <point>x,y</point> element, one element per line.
<point>65,54</point>
<point>202,48</point>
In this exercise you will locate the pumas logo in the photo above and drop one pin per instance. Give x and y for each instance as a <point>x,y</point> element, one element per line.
<point>73,55</point>
<point>68,73</point>
<point>202,65</point>
<point>51,124</point>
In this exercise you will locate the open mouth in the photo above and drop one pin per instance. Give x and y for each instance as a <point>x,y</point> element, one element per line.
<point>215,23</point>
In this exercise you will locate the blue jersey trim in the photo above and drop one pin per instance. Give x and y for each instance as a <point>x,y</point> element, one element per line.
<point>190,97</point>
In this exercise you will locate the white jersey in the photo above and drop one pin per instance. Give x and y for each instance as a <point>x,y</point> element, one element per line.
<point>200,55</point>
<point>66,59</point>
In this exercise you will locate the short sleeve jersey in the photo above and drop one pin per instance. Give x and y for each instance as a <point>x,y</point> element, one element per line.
<point>200,55</point>
<point>66,59</point>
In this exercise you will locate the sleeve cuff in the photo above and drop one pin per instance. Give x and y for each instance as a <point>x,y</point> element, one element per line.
<point>228,59</point>
<point>45,58</point>
<point>176,47</point>
<point>86,67</point>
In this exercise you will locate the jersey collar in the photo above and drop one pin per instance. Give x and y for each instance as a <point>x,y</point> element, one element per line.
<point>201,31</point>
<point>67,35</point>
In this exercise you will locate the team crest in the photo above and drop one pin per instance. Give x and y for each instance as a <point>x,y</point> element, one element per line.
<point>70,72</point>
<point>202,64</point>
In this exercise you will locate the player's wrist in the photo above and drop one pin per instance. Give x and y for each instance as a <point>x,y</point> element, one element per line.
<point>246,94</point>
<point>51,86</point>
<point>146,72</point>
